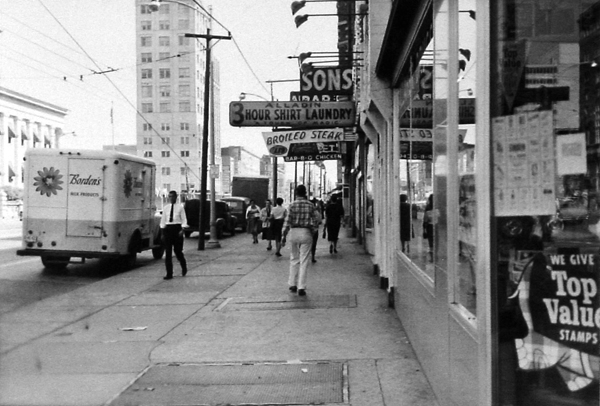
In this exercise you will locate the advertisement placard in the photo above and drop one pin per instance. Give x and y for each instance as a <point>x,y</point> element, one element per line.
<point>291,114</point>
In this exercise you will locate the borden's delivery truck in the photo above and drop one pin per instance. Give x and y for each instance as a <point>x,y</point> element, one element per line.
<point>88,204</point>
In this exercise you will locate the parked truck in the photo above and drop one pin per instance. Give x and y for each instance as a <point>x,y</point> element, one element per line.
<point>89,204</point>
<point>255,188</point>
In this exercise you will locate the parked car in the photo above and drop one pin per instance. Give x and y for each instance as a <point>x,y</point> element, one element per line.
<point>238,205</point>
<point>226,221</point>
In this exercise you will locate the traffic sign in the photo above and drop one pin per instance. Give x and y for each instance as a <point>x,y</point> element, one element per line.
<point>291,114</point>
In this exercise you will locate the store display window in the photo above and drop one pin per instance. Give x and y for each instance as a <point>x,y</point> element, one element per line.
<point>545,127</point>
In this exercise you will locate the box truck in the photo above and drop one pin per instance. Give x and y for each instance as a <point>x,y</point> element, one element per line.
<point>89,204</point>
<point>255,188</point>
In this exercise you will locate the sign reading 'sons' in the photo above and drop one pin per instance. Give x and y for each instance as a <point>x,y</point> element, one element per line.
<point>328,80</point>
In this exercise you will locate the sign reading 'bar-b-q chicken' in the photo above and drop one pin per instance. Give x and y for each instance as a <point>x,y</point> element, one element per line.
<point>291,114</point>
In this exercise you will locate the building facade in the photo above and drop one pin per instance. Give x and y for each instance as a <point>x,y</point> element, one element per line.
<point>170,92</point>
<point>25,122</point>
<point>475,188</point>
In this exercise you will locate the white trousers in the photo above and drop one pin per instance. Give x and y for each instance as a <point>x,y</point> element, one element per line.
<point>300,243</point>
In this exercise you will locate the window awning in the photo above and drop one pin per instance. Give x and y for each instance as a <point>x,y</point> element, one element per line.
<point>11,174</point>
<point>36,138</point>
<point>11,133</point>
<point>24,136</point>
<point>47,141</point>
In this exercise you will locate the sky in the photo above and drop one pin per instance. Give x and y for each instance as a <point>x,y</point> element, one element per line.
<point>55,50</point>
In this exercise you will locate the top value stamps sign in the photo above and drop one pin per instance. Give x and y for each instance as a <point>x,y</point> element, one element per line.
<point>291,114</point>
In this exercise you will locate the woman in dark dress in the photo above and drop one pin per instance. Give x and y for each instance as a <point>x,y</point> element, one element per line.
<point>334,213</point>
<point>405,223</point>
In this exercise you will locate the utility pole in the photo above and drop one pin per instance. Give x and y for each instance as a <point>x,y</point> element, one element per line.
<point>204,164</point>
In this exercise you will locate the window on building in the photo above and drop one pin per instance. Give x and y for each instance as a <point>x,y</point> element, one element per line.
<point>146,41</point>
<point>147,127</point>
<point>165,91</point>
<point>164,73</point>
<point>164,25</point>
<point>164,41</point>
<point>146,57</point>
<point>184,106</point>
<point>146,25</point>
<point>147,91</point>
<point>183,170</point>
<point>164,9</point>
<point>184,24</point>
<point>184,126</point>
<point>165,154</point>
<point>184,72</point>
<point>165,126</point>
<point>185,154</point>
<point>165,107</point>
<point>147,154</point>
<point>184,41</point>
<point>184,57</point>
<point>164,56</point>
<point>147,140</point>
<point>185,140</point>
<point>146,73</point>
<point>183,10</point>
<point>147,108</point>
<point>166,140</point>
<point>165,170</point>
<point>184,90</point>
<point>145,9</point>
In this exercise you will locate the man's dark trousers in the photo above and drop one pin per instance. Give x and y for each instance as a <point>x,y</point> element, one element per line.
<point>174,242</point>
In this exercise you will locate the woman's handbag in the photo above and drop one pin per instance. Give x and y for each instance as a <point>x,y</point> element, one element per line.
<point>266,223</point>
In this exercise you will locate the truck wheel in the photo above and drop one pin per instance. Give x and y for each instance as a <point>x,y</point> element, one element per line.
<point>232,231</point>
<point>219,231</point>
<point>56,263</point>
<point>158,252</point>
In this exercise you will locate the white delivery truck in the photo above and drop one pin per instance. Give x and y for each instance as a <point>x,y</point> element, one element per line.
<point>89,204</point>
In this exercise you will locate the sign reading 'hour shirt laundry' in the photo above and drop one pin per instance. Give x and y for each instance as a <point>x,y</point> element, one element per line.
<point>291,114</point>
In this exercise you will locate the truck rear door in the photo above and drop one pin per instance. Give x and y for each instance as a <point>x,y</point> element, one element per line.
<point>85,186</point>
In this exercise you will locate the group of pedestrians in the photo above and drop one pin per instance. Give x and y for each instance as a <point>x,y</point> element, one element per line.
<point>267,221</point>
<point>300,221</point>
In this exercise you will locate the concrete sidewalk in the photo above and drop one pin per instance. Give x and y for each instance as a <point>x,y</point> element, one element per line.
<point>229,332</point>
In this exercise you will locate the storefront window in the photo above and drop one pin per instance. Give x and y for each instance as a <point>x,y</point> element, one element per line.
<point>545,104</point>
<point>466,279</point>
<point>417,219</point>
<point>369,186</point>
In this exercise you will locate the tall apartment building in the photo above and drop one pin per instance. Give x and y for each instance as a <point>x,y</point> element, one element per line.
<point>170,92</point>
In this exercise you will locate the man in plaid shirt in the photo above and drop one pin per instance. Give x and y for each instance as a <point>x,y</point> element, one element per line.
<point>302,217</point>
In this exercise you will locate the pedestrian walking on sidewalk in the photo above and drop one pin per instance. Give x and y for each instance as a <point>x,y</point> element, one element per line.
<point>253,218</point>
<point>300,221</point>
<point>334,213</point>
<point>266,216</point>
<point>172,223</point>
<point>279,213</point>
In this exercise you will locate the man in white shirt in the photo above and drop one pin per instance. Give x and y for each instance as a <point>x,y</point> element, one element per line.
<point>172,223</point>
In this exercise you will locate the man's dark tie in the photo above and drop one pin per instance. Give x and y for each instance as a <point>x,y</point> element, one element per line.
<point>171,216</point>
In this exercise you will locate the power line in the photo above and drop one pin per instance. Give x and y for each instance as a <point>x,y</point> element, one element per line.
<point>43,34</point>
<point>46,49</point>
<point>249,67</point>
<point>112,83</point>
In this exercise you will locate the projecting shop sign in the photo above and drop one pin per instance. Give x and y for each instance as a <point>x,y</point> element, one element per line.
<point>291,114</point>
<point>305,145</point>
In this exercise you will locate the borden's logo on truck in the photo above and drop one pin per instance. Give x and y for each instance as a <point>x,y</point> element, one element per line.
<point>48,182</point>
<point>77,179</point>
